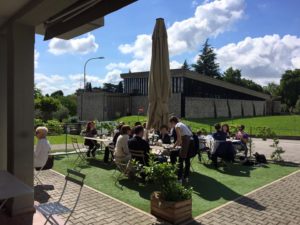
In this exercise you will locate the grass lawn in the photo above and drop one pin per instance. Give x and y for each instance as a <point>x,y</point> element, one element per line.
<point>61,139</point>
<point>287,125</point>
<point>212,187</point>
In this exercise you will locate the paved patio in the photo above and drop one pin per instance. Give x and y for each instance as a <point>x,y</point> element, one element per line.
<point>277,203</point>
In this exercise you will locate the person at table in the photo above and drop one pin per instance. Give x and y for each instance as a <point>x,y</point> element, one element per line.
<point>183,134</point>
<point>137,143</point>
<point>122,153</point>
<point>164,135</point>
<point>225,129</point>
<point>113,143</point>
<point>243,137</point>
<point>42,148</point>
<point>91,132</point>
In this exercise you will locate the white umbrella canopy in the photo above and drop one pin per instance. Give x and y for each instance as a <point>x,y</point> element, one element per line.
<point>159,90</point>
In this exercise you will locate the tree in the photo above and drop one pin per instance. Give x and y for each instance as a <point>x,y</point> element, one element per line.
<point>206,62</point>
<point>272,89</point>
<point>37,93</point>
<point>290,86</point>
<point>57,94</point>
<point>297,106</point>
<point>47,106</point>
<point>61,114</point>
<point>185,66</point>
<point>108,87</point>
<point>70,102</point>
<point>88,87</point>
<point>233,76</point>
<point>120,87</point>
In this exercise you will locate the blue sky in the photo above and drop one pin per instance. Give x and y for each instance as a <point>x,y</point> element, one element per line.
<point>260,37</point>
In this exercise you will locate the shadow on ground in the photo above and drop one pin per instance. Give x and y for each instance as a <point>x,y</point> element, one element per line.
<point>217,190</point>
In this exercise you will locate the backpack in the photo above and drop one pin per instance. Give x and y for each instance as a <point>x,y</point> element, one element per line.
<point>260,158</point>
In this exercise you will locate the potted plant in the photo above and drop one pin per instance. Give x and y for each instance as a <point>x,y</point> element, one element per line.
<point>173,201</point>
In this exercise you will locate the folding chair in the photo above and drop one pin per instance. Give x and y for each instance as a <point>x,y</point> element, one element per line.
<point>136,154</point>
<point>48,165</point>
<point>81,157</point>
<point>50,209</point>
<point>123,169</point>
<point>202,150</point>
<point>111,148</point>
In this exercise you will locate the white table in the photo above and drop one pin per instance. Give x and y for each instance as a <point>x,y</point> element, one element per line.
<point>101,141</point>
<point>11,187</point>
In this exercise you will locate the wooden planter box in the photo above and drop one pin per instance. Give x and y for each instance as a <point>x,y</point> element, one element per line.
<point>173,212</point>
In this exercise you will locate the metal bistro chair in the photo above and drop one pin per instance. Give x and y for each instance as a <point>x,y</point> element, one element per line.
<point>81,156</point>
<point>203,149</point>
<point>111,148</point>
<point>123,169</point>
<point>136,154</point>
<point>50,209</point>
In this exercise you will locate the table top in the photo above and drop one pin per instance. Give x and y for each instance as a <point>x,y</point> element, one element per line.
<point>161,150</point>
<point>98,139</point>
<point>11,187</point>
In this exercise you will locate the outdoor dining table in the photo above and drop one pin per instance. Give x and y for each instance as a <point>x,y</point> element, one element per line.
<point>11,187</point>
<point>163,149</point>
<point>101,141</point>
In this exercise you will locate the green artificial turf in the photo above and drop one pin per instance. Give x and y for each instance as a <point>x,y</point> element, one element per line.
<point>212,187</point>
<point>287,125</point>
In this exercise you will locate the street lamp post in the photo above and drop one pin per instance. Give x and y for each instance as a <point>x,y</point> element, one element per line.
<point>84,84</point>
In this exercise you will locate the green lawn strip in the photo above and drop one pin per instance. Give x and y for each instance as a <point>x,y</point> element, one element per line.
<point>61,139</point>
<point>212,188</point>
<point>287,125</point>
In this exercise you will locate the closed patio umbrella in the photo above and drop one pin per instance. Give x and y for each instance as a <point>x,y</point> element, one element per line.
<point>159,78</point>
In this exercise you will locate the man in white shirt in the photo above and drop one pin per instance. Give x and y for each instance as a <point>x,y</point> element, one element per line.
<point>42,148</point>
<point>183,134</point>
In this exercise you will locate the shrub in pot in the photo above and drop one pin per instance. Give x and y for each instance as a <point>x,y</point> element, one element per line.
<point>173,201</point>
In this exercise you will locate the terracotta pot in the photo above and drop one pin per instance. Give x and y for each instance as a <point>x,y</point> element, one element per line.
<point>173,212</point>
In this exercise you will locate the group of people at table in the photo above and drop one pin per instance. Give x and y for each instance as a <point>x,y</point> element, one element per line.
<point>181,141</point>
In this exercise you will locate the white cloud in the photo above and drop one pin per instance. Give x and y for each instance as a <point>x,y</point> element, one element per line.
<point>175,65</point>
<point>209,20</point>
<point>82,45</point>
<point>69,84</point>
<point>36,58</point>
<point>262,58</point>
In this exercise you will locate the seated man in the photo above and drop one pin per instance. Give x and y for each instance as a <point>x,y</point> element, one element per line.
<point>243,137</point>
<point>42,148</point>
<point>139,144</point>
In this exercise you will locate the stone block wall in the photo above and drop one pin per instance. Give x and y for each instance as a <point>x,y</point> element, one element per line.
<point>259,108</point>
<point>235,107</point>
<point>247,107</point>
<point>142,101</point>
<point>221,108</point>
<point>199,107</point>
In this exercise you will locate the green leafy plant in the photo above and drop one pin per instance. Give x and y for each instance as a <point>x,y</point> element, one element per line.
<point>276,154</point>
<point>164,175</point>
<point>54,127</point>
<point>265,133</point>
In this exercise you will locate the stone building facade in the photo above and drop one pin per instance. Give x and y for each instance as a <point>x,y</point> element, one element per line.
<point>193,96</point>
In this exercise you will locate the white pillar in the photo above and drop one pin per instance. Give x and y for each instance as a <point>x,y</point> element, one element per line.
<point>20,109</point>
<point>3,102</point>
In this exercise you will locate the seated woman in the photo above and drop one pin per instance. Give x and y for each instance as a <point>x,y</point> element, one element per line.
<point>225,129</point>
<point>243,137</point>
<point>42,148</point>
<point>164,135</point>
<point>122,154</point>
<point>92,144</point>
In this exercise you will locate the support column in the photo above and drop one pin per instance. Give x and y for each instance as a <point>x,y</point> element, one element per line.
<point>20,110</point>
<point>3,101</point>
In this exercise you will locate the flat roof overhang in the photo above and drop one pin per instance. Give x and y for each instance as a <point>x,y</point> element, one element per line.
<point>205,79</point>
<point>59,18</point>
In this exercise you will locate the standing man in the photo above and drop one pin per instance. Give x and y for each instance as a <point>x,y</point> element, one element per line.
<point>183,134</point>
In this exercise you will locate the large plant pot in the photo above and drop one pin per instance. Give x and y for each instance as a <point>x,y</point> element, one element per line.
<point>173,212</point>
